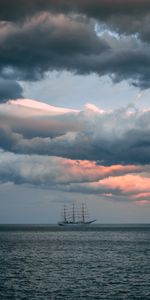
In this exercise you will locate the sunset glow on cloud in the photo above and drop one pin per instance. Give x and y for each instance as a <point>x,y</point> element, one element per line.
<point>39,107</point>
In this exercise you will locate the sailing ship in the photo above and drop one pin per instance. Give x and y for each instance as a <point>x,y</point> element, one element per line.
<point>75,217</point>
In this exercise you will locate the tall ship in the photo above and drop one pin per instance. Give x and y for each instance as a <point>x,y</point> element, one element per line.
<point>75,216</point>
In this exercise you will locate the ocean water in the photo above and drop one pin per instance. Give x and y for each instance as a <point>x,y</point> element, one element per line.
<point>50,262</point>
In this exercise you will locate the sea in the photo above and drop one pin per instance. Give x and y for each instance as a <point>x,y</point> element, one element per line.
<point>42,262</point>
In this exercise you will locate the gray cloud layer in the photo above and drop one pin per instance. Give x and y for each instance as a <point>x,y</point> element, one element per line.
<point>16,9</point>
<point>51,171</point>
<point>109,138</point>
<point>67,175</point>
<point>114,182</point>
<point>47,42</point>
<point>39,36</point>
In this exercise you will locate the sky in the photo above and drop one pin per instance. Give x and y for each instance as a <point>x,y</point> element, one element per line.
<point>74,109</point>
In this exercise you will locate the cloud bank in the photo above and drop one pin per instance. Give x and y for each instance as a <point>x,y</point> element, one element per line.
<point>95,9</point>
<point>103,37</point>
<point>55,170</point>
<point>103,153</point>
<point>108,137</point>
<point>112,182</point>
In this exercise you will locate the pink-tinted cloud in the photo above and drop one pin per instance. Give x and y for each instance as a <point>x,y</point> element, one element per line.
<point>55,170</point>
<point>128,183</point>
<point>142,195</point>
<point>39,108</point>
<point>116,182</point>
<point>87,171</point>
<point>124,187</point>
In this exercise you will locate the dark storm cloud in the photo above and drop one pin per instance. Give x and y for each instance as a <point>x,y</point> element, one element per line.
<point>46,42</point>
<point>10,89</point>
<point>129,16</point>
<point>38,36</point>
<point>49,42</point>
<point>18,9</point>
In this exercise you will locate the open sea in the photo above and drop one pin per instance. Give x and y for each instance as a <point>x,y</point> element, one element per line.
<point>40,262</point>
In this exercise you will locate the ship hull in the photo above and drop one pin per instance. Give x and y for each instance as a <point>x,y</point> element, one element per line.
<point>77,224</point>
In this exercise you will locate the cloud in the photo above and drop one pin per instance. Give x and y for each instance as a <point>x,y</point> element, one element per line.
<point>47,171</point>
<point>129,17</point>
<point>62,41</point>
<point>10,89</point>
<point>32,119</point>
<point>53,37</point>
<point>129,187</point>
<point>39,108</point>
<point>97,152</point>
<point>95,9</point>
<point>131,182</point>
<point>108,137</point>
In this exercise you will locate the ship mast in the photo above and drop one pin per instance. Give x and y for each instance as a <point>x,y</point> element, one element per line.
<point>65,218</point>
<point>83,213</point>
<point>73,213</point>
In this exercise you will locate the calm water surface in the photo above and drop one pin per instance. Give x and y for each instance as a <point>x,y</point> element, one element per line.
<point>48,262</point>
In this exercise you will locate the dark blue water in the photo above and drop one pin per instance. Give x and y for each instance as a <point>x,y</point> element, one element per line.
<point>47,262</point>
